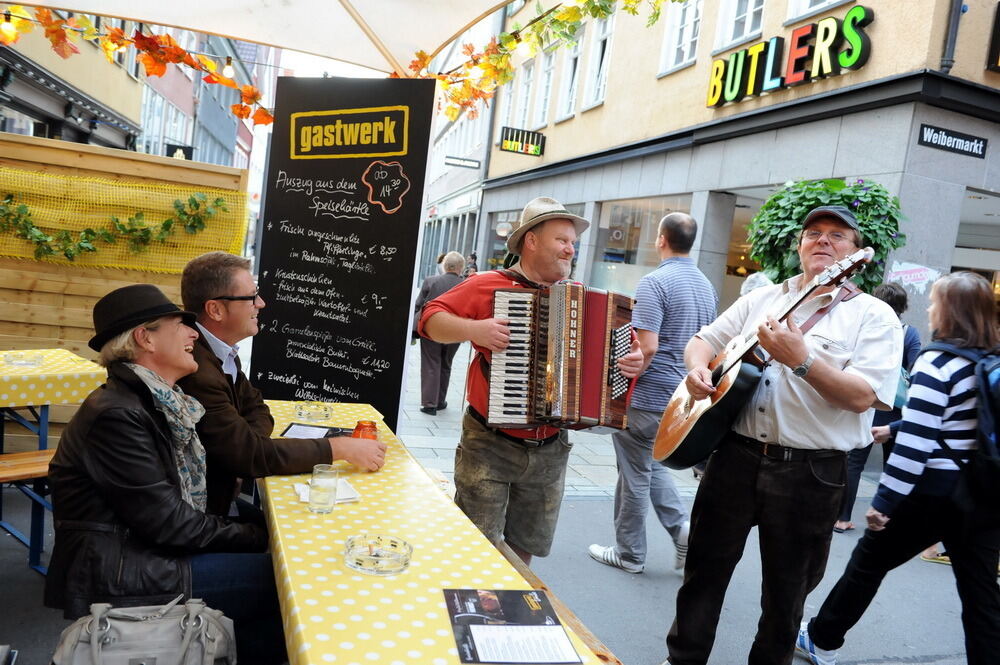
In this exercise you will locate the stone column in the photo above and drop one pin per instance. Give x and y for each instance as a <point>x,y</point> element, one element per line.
<point>714,213</point>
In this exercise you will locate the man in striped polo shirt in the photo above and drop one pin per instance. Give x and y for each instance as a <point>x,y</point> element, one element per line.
<point>672,303</point>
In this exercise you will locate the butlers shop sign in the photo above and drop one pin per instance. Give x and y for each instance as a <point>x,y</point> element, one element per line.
<point>814,51</point>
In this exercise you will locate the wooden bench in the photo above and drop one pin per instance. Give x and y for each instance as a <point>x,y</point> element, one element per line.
<point>20,469</point>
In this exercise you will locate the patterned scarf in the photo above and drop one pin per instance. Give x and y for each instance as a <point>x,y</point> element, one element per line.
<point>182,413</point>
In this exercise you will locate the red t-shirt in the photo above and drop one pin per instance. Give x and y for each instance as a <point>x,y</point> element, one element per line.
<point>473,299</point>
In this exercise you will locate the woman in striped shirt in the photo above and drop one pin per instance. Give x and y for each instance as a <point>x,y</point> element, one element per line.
<point>912,508</point>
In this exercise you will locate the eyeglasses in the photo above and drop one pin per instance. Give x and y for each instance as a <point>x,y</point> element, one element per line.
<point>250,298</point>
<point>835,237</point>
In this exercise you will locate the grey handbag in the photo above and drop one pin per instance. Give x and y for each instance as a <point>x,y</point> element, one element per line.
<point>171,634</point>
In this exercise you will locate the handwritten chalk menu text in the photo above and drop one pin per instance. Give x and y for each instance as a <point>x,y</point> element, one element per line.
<point>341,218</point>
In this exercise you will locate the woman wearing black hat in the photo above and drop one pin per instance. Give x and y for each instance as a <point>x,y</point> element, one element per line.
<point>128,487</point>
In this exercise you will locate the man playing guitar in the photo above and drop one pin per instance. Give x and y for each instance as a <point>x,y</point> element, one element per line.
<point>782,468</point>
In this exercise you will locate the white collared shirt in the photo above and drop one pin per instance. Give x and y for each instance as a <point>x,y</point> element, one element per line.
<point>861,336</point>
<point>224,352</point>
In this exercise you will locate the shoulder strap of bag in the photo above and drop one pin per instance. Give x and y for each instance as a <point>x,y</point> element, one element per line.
<point>963,352</point>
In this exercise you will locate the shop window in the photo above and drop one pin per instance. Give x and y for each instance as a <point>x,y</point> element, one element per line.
<point>739,21</point>
<point>16,122</point>
<point>570,77</point>
<point>680,42</point>
<point>600,57</point>
<point>625,249</point>
<point>544,94</point>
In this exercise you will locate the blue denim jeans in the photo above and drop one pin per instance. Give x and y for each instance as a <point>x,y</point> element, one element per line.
<point>242,586</point>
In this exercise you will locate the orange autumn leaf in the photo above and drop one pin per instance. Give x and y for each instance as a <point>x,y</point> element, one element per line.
<point>220,80</point>
<point>420,62</point>
<point>249,94</point>
<point>240,110</point>
<point>154,66</point>
<point>262,117</point>
<point>55,32</point>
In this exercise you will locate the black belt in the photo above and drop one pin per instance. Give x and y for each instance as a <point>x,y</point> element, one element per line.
<point>527,443</point>
<point>784,453</point>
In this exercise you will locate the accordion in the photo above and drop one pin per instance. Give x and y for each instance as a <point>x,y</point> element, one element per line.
<point>561,366</point>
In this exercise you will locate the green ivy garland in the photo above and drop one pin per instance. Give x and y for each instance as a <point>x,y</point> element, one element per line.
<point>774,230</point>
<point>191,214</point>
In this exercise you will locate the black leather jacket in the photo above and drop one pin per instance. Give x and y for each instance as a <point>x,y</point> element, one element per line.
<point>123,533</point>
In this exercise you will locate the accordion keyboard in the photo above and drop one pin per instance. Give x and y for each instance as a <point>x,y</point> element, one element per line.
<point>511,383</point>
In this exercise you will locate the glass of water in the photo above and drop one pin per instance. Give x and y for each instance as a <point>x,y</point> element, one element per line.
<point>323,488</point>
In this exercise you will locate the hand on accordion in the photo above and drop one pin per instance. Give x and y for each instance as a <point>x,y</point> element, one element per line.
<point>493,334</point>
<point>630,365</point>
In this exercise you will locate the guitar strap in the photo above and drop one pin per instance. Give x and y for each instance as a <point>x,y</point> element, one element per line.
<point>847,291</point>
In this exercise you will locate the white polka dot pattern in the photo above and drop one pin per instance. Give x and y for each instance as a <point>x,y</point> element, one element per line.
<point>334,614</point>
<point>61,378</point>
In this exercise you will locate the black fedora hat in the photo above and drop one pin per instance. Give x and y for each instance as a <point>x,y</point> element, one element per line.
<point>129,306</point>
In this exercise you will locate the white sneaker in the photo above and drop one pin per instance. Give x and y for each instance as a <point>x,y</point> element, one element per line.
<point>609,556</point>
<point>681,546</point>
<point>804,645</point>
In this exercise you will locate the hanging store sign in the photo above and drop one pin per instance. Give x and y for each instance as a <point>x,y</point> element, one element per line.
<point>946,139</point>
<point>816,50</point>
<point>993,63</point>
<point>522,141</point>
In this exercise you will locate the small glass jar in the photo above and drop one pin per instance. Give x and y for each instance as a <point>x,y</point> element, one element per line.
<point>365,429</point>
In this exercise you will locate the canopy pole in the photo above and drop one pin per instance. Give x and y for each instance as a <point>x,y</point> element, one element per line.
<point>397,67</point>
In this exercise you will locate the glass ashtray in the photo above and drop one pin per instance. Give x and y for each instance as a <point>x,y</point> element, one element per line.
<point>22,359</point>
<point>377,555</point>
<point>313,411</point>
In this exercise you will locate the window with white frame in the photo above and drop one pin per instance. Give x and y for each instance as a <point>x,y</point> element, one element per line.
<point>739,20</point>
<point>527,76</point>
<point>798,8</point>
<point>570,77</point>
<point>680,40</point>
<point>600,56</point>
<point>506,110</point>
<point>544,94</point>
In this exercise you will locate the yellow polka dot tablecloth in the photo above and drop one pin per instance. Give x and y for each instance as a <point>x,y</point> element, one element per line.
<point>46,376</point>
<point>334,614</point>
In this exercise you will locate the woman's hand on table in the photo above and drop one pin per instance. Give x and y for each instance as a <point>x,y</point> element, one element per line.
<point>367,454</point>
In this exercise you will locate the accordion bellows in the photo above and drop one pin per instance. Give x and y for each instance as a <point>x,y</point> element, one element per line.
<point>561,366</point>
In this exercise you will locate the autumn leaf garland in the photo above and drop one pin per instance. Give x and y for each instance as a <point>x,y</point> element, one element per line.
<point>155,52</point>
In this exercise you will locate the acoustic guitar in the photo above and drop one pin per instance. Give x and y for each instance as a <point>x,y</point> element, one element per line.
<point>691,429</point>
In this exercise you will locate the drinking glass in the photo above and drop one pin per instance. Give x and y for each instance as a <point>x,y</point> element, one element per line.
<point>323,488</point>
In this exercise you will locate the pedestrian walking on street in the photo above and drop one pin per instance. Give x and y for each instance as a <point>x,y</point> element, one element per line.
<point>913,507</point>
<point>435,359</point>
<point>672,303</point>
<point>782,468</point>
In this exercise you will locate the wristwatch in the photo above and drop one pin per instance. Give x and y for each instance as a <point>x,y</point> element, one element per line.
<point>803,369</point>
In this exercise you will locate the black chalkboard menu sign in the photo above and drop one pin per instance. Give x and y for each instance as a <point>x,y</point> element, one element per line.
<point>344,187</point>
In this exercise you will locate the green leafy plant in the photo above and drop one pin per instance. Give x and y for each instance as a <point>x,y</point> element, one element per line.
<point>774,230</point>
<point>192,215</point>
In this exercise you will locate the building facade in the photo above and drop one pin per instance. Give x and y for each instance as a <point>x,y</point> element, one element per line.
<point>84,98</point>
<point>716,106</point>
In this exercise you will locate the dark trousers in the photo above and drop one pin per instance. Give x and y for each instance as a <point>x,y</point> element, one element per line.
<point>793,505</point>
<point>921,521</point>
<point>435,371</point>
<point>242,586</point>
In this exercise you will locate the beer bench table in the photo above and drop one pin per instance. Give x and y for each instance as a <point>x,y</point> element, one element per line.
<point>333,614</point>
<point>30,381</point>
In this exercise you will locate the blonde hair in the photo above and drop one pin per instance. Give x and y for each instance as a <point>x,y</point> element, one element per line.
<point>122,347</point>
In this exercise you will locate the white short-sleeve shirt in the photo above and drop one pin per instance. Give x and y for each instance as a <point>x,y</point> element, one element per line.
<point>861,336</point>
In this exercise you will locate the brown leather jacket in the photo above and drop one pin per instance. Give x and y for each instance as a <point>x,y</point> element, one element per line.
<point>123,532</point>
<point>236,432</point>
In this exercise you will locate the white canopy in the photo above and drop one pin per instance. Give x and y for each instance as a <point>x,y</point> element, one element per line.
<point>380,34</point>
